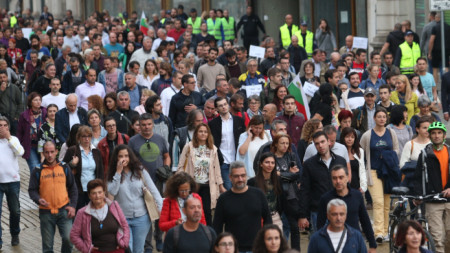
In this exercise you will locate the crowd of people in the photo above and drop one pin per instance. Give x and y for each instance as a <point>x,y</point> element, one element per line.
<point>168,134</point>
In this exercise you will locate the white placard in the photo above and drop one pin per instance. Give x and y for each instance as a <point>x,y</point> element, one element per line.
<point>310,88</point>
<point>439,5</point>
<point>344,17</point>
<point>360,42</point>
<point>253,90</point>
<point>27,32</point>
<point>257,52</point>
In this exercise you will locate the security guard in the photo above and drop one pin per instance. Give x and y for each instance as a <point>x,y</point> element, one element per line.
<point>408,54</point>
<point>195,21</point>
<point>306,39</point>
<point>229,26</point>
<point>286,31</point>
<point>214,25</point>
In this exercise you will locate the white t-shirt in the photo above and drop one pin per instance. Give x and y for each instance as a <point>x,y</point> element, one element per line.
<point>335,237</point>
<point>166,96</point>
<point>59,100</point>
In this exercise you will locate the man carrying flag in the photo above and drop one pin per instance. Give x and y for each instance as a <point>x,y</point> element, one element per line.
<point>296,90</point>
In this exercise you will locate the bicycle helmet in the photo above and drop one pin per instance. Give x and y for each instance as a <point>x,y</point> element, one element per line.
<point>437,125</point>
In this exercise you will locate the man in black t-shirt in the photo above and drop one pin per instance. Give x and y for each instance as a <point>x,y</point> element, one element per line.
<point>241,207</point>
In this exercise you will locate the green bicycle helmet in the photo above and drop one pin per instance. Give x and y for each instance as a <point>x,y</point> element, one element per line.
<point>437,125</point>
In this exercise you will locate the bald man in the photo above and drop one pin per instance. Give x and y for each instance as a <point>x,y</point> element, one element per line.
<point>69,116</point>
<point>297,54</point>
<point>348,45</point>
<point>334,58</point>
<point>269,112</point>
<point>287,30</point>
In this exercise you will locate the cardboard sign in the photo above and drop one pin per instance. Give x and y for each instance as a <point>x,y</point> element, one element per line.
<point>360,42</point>
<point>257,52</point>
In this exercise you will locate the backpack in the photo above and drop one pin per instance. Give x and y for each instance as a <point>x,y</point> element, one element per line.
<point>176,235</point>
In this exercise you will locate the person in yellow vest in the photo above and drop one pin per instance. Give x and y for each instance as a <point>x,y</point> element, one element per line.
<point>195,21</point>
<point>287,30</point>
<point>408,54</point>
<point>305,38</point>
<point>13,19</point>
<point>214,25</point>
<point>229,27</point>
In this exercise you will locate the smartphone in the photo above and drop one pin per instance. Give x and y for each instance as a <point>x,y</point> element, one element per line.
<point>292,164</point>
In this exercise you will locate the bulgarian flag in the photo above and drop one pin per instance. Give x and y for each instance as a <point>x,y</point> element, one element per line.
<point>296,90</point>
<point>144,26</point>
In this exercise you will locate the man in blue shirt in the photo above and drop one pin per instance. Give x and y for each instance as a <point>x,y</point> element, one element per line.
<point>113,48</point>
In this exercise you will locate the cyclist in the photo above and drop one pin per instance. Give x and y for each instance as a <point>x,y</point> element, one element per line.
<point>432,175</point>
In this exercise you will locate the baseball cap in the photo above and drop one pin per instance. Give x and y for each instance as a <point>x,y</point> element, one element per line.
<point>304,23</point>
<point>168,12</point>
<point>409,32</point>
<point>370,90</point>
<point>193,10</point>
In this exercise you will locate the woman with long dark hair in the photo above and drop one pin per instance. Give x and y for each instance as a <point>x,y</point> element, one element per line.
<point>200,160</point>
<point>30,121</point>
<point>47,130</point>
<point>404,132</point>
<point>125,57</point>
<point>325,38</point>
<point>109,103</point>
<point>349,138</point>
<point>70,141</point>
<point>270,240</point>
<point>127,179</point>
<point>150,74</point>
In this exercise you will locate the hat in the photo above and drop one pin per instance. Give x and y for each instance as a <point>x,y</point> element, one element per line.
<point>193,10</point>
<point>304,23</point>
<point>370,90</point>
<point>180,6</point>
<point>168,12</point>
<point>409,32</point>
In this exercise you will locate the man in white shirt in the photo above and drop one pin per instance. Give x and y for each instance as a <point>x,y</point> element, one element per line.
<point>353,97</point>
<point>55,97</point>
<point>167,94</point>
<point>90,87</point>
<point>162,35</point>
<point>73,41</point>
<point>11,150</point>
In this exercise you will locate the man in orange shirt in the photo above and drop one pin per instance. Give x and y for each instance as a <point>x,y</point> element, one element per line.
<point>432,174</point>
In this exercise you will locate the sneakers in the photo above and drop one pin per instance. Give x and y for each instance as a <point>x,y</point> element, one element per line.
<point>379,239</point>
<point>159,245</point>
<point>15,240</point>
<point>386,238</point>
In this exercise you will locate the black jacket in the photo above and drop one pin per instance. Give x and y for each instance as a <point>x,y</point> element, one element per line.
<point>251,24</point>
<point>433,172</point>
<point>62,123</point>
<point>67,86</point>
<point>177,113</point>
<point>316,181</point>
<point>123,119</point>
<point>445,92</point>
<point>216,130</point>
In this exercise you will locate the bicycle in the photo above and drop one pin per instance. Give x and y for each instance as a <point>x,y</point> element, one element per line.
<point>400,214</point>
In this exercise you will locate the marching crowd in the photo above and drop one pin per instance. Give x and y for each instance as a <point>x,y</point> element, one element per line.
<point>164,132</point>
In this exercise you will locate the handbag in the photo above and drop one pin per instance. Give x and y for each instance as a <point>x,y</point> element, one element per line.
<point>150,203</point>
<point>163,173</point>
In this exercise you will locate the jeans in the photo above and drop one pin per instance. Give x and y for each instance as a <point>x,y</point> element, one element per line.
<point>11,190</point>
<point>225,172</point>
<point>48,223</point>
<point>313,224</point>
<point>34,159</point>
<point>139,228</point>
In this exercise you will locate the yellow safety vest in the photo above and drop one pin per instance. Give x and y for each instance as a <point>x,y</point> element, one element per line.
<point>13,21</point>
<point>308,46</point>
<point>163,21</point>
<point>285,36</point>
<point>409,57</point>
<point>195,25</point>
<point>214,28</point>
<point>228,28</point>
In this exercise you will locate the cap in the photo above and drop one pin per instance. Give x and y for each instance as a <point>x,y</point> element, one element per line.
<point>409,32</point>
<point>193,10</point>
<point>304,23</point>
<point>370,90</point>
<point>168,12</point>
<point>180,6</point>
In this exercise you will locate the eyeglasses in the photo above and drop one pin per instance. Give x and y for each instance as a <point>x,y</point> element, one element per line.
<point>184,191</point>
<point>110,126</point>
<point>226,244</point>
<point>148,144</point>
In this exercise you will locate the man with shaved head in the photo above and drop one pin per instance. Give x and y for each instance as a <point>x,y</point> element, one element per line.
<point>287,30</point>
<point>297,53</point>
<point>69,116</point>
<point>348,46</point>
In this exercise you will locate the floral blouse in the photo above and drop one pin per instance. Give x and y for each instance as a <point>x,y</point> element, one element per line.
<point>47,133</point>
<point>201,164</point>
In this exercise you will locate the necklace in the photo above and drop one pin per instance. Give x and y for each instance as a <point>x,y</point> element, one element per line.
<point>103,214</point>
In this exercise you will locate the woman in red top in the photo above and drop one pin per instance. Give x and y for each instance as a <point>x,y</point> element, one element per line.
<point>15,54</point>
<point>178,189</point>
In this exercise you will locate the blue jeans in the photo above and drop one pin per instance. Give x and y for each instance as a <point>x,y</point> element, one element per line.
<point>313,224</point>
<point>48,224</point>
<point>225,172</point>
<point>139,228</point>
<point>11,190</point>
<point>34,159</point>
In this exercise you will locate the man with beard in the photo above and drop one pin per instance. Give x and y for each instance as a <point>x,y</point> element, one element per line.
<point>353,97</point>
<point>233,68</point>
<point>207,73</point>
<point>181,238</point>
<point>36,45</point>
<point>241,207</point>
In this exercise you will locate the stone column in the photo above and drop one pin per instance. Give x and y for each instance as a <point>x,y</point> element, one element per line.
<point>75,6</point>
<point>14,5</point>
<point>55,7</point>
<point>37,8</point>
